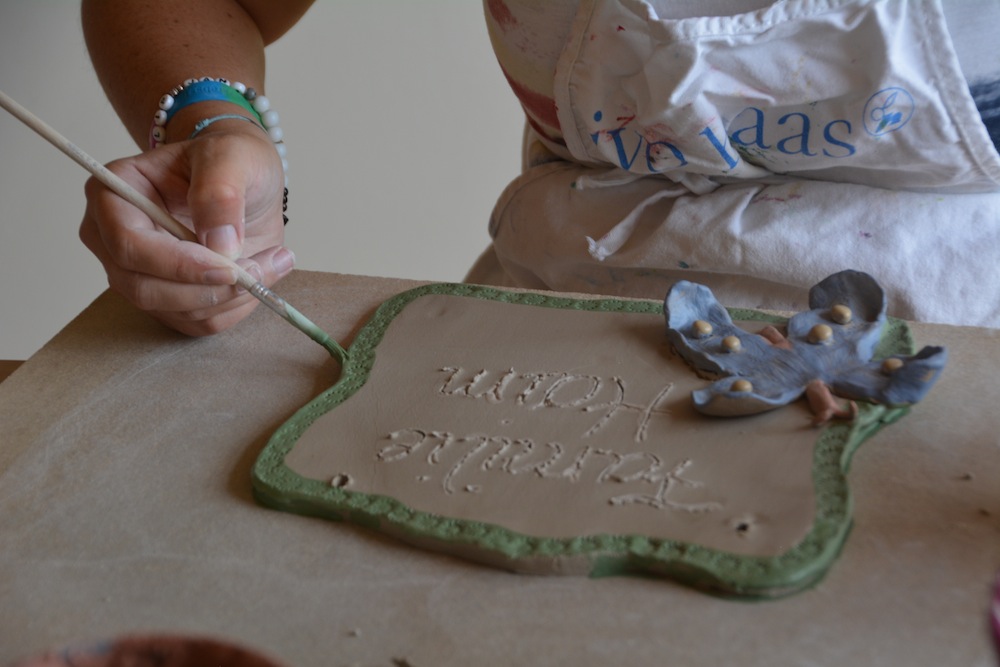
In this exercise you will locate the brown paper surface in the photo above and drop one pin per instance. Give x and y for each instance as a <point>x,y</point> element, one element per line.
<point>125,456</point>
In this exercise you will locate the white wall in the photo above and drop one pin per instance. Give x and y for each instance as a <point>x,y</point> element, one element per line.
<point>401,134</point>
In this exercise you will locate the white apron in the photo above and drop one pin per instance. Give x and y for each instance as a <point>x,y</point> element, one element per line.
<point>760,152</point>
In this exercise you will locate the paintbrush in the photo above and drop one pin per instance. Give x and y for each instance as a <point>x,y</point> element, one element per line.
<point>166,221</point>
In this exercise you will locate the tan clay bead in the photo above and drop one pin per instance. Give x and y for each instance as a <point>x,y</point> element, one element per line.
<point>732,344</point>
<point>742,386</point>
<point>891,365</point>
<point>841,314</point>
<point>821,333</point>
<point>702,328</point>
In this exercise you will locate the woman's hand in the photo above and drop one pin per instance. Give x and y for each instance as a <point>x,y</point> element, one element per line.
<point>227,187</point>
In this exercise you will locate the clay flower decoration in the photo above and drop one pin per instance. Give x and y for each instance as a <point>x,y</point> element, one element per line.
<point>826,351</point>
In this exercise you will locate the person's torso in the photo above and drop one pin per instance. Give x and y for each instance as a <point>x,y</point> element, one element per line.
<point>864,91</point>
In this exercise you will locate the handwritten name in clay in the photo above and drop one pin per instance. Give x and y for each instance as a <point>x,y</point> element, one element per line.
<point>551,461</point>
<point>559,390</point>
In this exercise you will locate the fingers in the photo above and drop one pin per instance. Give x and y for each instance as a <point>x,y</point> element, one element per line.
<point>124,238</point>
<point>187,286</point>
<point>201,311</point>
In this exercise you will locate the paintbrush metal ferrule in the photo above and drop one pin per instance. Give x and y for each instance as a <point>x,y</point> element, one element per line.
<point>270,299</point>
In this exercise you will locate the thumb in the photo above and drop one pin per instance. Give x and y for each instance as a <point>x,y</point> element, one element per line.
<point>217,212</point>
<point>217,199</point>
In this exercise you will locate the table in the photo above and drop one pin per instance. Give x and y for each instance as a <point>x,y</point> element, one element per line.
<point>125,505</point>
<point>7,367</point>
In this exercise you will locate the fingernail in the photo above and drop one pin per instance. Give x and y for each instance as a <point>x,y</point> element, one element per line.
<point>224,241</point>
<point>253,268</point>
<point>283,261</point>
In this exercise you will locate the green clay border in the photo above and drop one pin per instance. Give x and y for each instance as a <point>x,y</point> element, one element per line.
<point>277,486</point>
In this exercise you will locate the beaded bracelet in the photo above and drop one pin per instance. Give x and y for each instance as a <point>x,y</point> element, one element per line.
<point>205,89</point>
<point>220,89</point>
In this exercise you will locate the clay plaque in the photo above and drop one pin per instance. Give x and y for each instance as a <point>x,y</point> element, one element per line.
<point>557,435</point>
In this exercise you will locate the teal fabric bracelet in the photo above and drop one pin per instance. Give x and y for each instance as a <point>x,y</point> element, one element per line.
<point>205,91</point>
<point>205,122</point>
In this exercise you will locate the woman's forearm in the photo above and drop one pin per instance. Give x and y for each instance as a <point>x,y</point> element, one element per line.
<point>143,48</point>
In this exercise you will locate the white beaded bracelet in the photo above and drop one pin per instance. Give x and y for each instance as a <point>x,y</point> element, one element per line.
<point>220,89</point>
